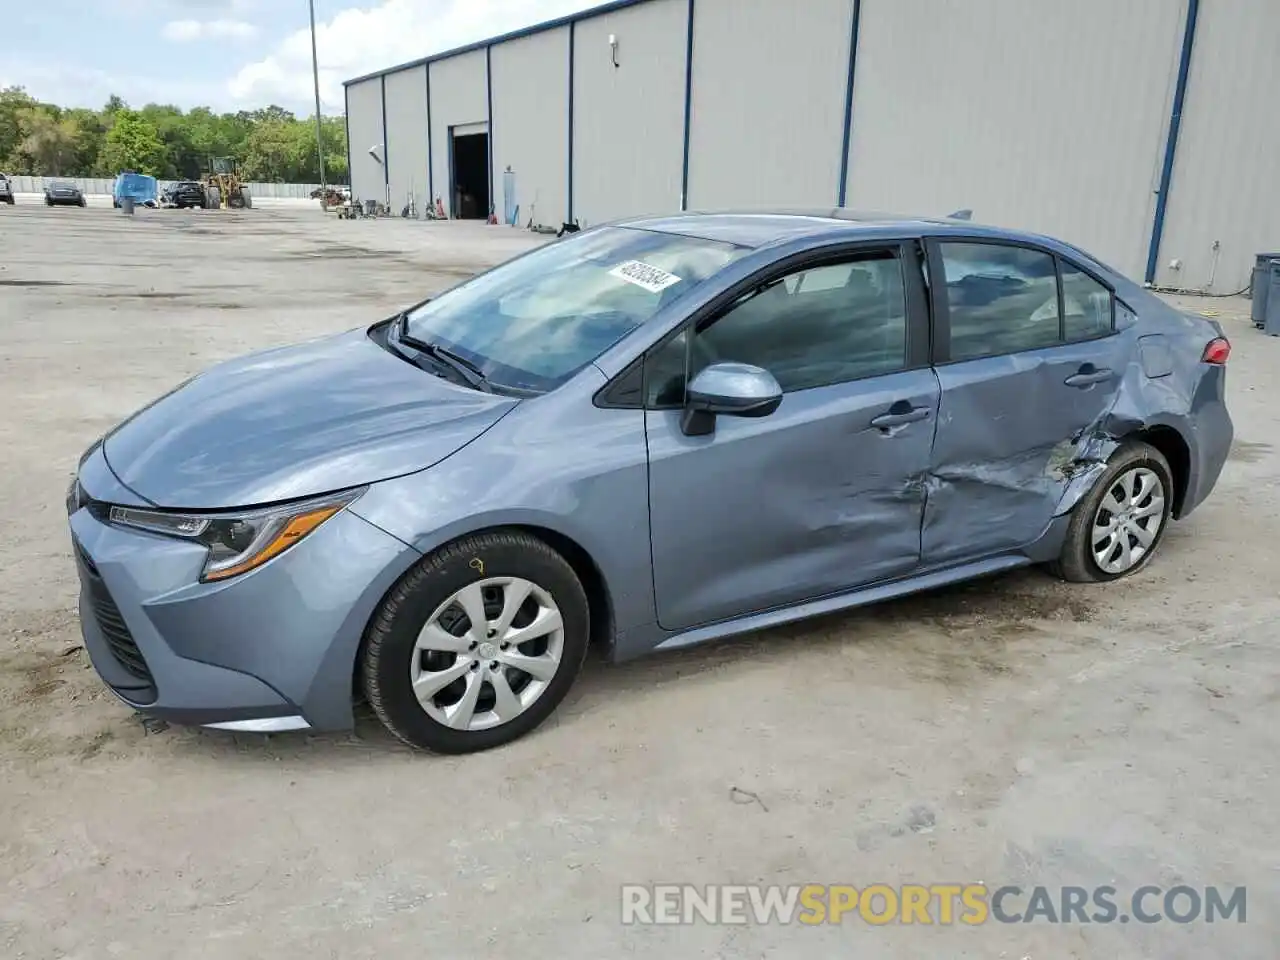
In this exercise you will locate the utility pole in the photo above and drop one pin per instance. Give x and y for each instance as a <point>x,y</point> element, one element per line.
<point>315,73</point>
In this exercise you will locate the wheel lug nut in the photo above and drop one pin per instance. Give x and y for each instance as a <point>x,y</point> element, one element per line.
<point>494,665</point>
<point>506,646</point>
<point>473,645</point>
<point>475,666</point>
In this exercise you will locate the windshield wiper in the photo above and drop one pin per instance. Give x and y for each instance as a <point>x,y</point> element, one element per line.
<point>471,374</point>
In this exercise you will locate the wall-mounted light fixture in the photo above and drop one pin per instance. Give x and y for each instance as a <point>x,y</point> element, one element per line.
<point>613,48</point>
<point>376,152</point>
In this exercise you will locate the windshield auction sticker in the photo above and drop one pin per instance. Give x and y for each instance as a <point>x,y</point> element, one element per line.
<point>643,275</point>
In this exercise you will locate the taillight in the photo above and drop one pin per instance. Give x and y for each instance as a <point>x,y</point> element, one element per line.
<point>1216,351</point>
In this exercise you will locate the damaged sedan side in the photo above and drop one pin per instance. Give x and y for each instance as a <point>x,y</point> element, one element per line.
<point>649,435</point>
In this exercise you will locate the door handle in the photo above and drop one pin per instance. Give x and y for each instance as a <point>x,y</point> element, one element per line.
<point>897,415</point>
<point>1087,378</point>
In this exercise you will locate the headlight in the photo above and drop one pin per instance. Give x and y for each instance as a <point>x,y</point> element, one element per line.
<point>239,542</point>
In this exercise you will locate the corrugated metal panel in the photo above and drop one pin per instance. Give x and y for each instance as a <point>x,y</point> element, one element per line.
<point>531,124</point>
<point>459,94</point>
<point>407,137</point>
<point>1038,114</point>
<point>364,120</point>
<point>769,84</point>
<point>629,120</point>
<point>1225,185</point>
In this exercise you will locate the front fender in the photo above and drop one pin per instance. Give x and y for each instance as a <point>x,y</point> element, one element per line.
<point>583,477</point>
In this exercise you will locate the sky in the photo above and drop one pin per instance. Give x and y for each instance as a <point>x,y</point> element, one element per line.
<point>235,54</point>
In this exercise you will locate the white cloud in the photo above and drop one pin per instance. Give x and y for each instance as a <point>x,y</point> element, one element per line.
<point>185,31</point>
<point>360,40</point>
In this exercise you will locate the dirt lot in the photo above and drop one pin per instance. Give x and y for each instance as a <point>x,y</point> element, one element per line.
<point>1016,731</point>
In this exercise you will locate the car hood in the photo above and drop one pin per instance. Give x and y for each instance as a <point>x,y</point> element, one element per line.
<point>295,421</point>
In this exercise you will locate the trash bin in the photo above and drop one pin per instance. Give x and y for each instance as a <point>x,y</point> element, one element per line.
<point>126,204</point>
<point>1272,323</point>
<point>1261,284</point>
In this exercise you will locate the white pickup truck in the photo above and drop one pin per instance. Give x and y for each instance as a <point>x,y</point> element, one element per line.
<point>6,190</point>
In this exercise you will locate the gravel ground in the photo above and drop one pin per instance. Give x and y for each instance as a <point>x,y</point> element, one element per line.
<point>1016,730</point>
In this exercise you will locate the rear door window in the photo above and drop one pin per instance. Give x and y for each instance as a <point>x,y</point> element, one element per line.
<point>1088,308</point>
<point>1001,299</point>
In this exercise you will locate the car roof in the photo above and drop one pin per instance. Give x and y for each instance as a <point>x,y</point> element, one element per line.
<point>764,227</point>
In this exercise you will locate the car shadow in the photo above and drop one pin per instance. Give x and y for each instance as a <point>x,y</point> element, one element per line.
<point>965,628</point>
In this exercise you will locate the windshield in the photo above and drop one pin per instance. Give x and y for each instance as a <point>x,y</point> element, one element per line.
<point>534,322</point>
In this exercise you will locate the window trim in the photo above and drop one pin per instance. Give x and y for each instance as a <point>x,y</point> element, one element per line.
<point>905,250</point>
<point>941,306</point>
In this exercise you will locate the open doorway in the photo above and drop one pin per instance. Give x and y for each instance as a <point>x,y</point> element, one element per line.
<point>470,175</point>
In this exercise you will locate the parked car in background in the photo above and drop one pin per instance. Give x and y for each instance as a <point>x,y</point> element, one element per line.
<point>648,435</point>
<point>62,193</point>
<point>6,190</point>
<point>138,187</point>
<point>186,193</point>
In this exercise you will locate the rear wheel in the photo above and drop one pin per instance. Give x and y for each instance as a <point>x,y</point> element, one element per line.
<point>477,644</point>
<point>1116,529</point>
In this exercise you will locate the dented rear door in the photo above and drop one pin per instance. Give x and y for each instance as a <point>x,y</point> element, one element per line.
<point>1020,399</point>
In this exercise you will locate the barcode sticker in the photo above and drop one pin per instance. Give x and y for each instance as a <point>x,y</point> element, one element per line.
<point>642,275</point>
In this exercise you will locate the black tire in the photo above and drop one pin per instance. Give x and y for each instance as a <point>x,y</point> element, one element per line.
<point>48,202</point>
<point>392,634</point>
<point>82,202</point>
<point>1076,563</point>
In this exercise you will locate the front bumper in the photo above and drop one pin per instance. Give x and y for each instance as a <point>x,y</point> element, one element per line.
<point>272,649</point>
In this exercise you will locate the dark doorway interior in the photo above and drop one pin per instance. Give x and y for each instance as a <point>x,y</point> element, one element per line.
<point>471,176</point>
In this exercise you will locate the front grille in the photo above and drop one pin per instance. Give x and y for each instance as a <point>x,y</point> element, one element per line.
<point>110,621</point>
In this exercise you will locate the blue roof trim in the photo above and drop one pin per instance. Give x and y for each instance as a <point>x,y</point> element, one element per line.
<point>587,14</point>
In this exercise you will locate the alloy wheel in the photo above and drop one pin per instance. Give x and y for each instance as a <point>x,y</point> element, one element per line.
<point>487,653</point>
<point>1128,520</point>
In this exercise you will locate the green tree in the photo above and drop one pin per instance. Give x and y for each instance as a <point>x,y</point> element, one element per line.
<point>91,132</point>
<point>272,151</point>
<point>134,144</point>
<point>272,143</point>
<point>14,102</point>
<point>48,144</point>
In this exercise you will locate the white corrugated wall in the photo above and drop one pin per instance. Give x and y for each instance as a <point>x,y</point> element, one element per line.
<point>459,95</point>
<point>1036,114</point>
<point>628,130</point>
<point>364,125</point>
<point>407,137</point>
<point>769,82</point>
<point>1225,185</point>
<point>530,126</point>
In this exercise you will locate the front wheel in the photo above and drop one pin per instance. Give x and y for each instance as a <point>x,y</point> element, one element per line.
<point>1116,529</point>
<point>477,644</point>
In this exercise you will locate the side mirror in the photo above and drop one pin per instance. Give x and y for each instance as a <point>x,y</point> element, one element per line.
<point>728,389</point>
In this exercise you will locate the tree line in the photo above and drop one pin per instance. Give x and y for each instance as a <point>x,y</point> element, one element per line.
<point>271,144</point>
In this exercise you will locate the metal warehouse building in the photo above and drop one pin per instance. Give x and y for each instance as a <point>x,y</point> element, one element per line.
<point>1147,131</point>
